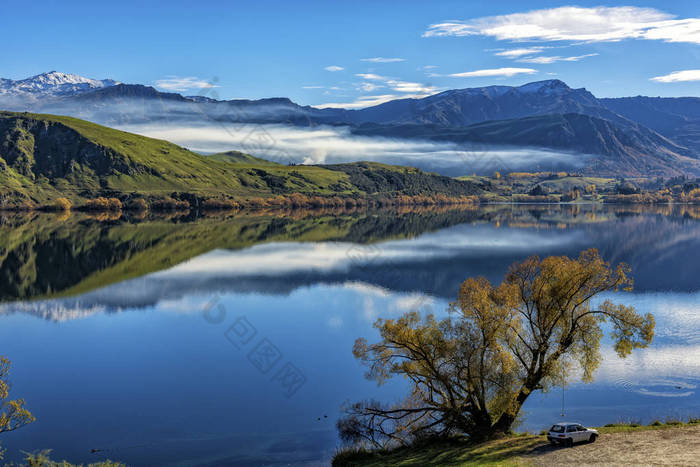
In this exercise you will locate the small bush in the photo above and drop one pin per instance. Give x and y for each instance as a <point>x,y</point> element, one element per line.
<point>42,459</point>
<point>169,204</point>
<point>138,204</point>
<point>97,204</point>
<point>213,203</point>
<point>114,204</point>
<point>62,204</point>
<point>103,204</point>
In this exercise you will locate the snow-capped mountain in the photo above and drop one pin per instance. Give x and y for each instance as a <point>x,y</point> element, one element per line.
<point>53,83</point>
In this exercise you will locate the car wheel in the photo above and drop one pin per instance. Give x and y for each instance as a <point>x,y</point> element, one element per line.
<point>592,438</point>
<point>570,442</point>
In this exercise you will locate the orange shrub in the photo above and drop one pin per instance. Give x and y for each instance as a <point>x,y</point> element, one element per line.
<point>97,204</point>
<point>62,204</point>
<point>138,204</point>
<point>215,203</point>
<point>169,204</point>
<point>114,204</point>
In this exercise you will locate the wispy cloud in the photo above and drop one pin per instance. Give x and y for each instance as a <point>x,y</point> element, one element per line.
<point>394,84</point>
<point>507,72</point>
<point>383,60</point>
<point>409,87</point>
<point>334,68</point>
<point>371,76</point>
<point>369,101</point>
<point>179,83</point>
<point>360,102</point>
<point>571,23</point>
<point>556,58</point>
<point>514,53</point>
<point>676,76</point>
<point>369,87</point>
<point>312,87</point>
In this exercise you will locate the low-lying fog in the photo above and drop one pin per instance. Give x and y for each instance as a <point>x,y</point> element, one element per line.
<point>210,128</point>
<point>335,144</point>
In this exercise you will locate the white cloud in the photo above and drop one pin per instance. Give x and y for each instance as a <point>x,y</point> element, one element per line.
<point>676,76</point>
<point>412,302</point>
<point>412,90</point>
<point>514,53</point>
<point>312,87</point>
<point>334,68</point>
<point>178,83</point>
<point>383,60</point>
<point>369,87</point>
<point>570,23</point>
<point>556,58</point>
<point>371,76</point>
<point>396,85</point>
<point>408,87</point>
<point>508,72</point>
<point>285,258</point>
<point>361,102</point>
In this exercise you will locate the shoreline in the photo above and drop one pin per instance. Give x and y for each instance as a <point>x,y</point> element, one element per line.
<point>530,449</point>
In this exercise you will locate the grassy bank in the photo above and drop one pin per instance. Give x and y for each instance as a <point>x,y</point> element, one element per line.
<point>520,449</point>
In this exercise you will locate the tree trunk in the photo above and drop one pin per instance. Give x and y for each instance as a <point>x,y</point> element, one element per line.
<point>505,421</point>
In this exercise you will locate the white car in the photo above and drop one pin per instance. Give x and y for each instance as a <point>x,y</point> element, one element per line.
<point>570,433</point>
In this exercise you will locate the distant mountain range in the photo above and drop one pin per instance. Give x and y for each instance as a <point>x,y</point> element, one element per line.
<point>52,84</point>
<point>630,136</point>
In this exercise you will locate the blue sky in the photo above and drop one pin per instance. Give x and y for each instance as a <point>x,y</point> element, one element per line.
<point>280,48</point>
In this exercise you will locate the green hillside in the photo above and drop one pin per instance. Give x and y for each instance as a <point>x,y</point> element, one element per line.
<point>43,157</point>
<point>238,157</point>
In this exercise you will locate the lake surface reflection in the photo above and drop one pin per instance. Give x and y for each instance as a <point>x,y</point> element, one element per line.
<point>227,340</point>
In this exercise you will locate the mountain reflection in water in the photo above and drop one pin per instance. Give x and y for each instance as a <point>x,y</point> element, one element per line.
<point>122,359</point>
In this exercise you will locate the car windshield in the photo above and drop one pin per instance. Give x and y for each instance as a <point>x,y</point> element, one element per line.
<point>557,429</point>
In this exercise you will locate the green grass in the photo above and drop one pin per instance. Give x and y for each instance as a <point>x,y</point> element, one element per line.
<point>237,157</point>
<point>455,452</point>
<point>654,425</point>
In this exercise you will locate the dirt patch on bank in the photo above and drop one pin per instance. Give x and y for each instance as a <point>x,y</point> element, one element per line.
<point>672,446</point>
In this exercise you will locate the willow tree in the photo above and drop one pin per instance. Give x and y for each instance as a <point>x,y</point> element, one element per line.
<point>13,414</point>
<point>471,372</point>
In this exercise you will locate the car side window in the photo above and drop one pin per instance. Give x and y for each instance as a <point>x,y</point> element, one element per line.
<point>570,429</point>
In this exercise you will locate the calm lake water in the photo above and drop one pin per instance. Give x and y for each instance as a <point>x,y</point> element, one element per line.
<point>219,341</point>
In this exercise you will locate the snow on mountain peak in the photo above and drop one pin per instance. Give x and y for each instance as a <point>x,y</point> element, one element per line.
<point>53,83</point>
<point>546,86</point>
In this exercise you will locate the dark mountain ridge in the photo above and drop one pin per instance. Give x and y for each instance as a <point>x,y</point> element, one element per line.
<point>677,118</point>
<point>633,149</point>
<point>461,107</point>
